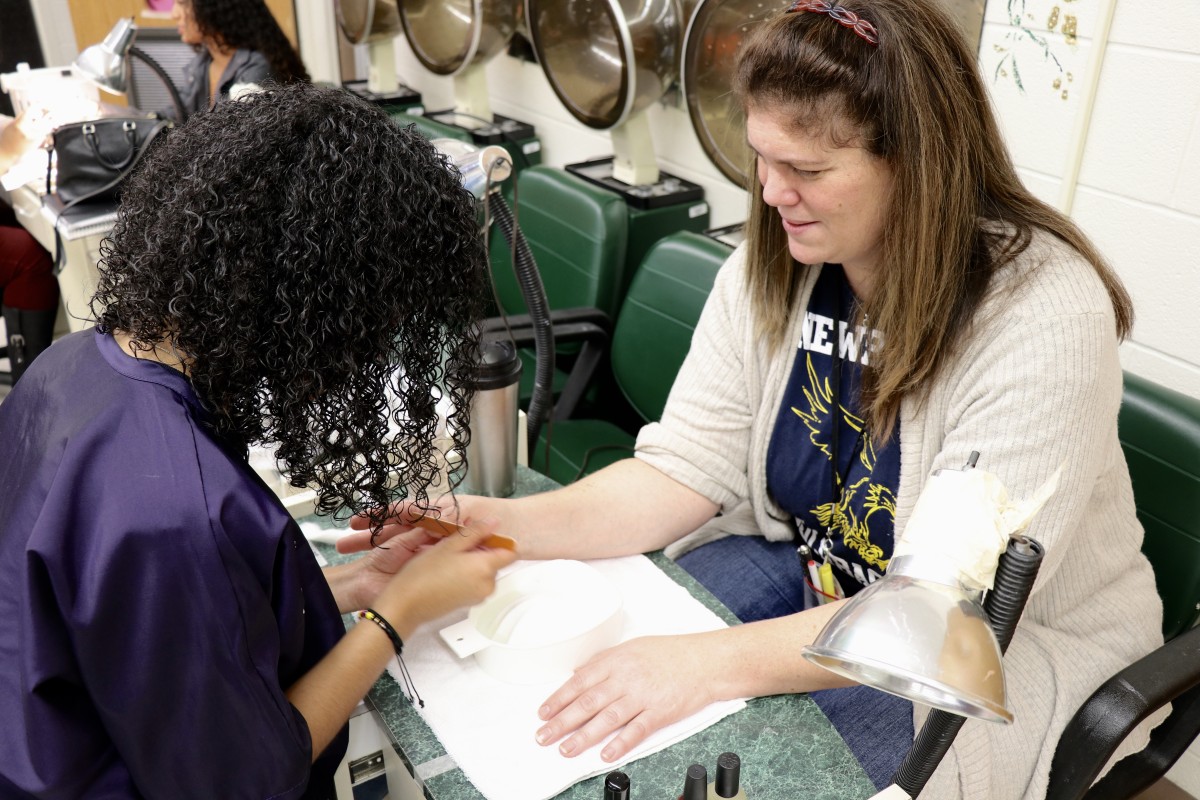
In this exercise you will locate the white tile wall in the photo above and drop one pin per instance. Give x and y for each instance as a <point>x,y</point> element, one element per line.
<point>1168,25</point>
<point>1138,193</point>
<point>1146,109</point>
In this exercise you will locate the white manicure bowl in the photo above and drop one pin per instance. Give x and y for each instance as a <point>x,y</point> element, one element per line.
<point>541,623</point>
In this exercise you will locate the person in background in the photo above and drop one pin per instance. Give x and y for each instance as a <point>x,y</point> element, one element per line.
<point>901,301</point>
<point>165,630</point>
<point>27,283</point>
<point>237,42</point>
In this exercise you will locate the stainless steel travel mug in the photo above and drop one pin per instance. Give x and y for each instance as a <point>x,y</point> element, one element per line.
<point>492,453</point>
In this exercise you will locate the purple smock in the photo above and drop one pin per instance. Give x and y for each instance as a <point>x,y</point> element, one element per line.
<point>156,599</point>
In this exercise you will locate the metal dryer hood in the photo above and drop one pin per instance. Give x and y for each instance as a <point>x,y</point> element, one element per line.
<point>710,48</point>
<point>450,36</point>
<point>365,21</point>
<point>458,38</point>
<point>374,23</point>
<point>608,61</point>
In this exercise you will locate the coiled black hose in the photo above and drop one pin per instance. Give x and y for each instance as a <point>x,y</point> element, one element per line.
<point>534,294</point>
<point>1018,567</point>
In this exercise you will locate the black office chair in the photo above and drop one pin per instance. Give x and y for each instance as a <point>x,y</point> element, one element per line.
<point>1160,433</point>
<point>146,89</point>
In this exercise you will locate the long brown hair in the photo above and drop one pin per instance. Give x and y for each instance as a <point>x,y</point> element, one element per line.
<point>916,101</point>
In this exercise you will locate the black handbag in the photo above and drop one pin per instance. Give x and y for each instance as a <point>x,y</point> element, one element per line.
<point>95,156</point>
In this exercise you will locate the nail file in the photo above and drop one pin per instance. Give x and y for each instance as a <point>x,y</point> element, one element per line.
<point>443,528</point>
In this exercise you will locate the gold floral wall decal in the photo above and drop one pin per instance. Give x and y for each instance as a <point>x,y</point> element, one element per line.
<point>1022,39</point>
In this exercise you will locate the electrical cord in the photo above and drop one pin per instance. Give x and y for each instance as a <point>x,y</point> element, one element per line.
<point>534,294</point>
<point>588,455</point>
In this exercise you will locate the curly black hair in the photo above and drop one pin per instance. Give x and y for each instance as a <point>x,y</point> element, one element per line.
<point>310,259</point>
<point>249,24</point>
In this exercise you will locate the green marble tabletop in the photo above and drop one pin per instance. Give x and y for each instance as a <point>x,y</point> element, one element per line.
<point>789,751</point>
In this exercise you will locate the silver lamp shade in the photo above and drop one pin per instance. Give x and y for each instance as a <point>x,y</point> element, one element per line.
<point>918,633</point>
<point>104,63</point>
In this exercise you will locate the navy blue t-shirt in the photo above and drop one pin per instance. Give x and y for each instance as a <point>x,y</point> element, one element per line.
<point>799,458</point>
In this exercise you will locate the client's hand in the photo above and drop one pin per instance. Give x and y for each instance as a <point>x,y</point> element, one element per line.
<point>400,518</point>
<point>636,687</point>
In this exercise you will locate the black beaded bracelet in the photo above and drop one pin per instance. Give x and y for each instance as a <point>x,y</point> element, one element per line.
<point>377,618</point>
<point>398,646</point>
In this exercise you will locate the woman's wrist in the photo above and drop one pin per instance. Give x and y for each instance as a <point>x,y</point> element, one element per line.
<point>396,611</point>
<point>346,583</point>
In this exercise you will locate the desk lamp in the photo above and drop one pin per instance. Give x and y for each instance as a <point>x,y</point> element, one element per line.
<point>921,632</point>
<point>105,64</point>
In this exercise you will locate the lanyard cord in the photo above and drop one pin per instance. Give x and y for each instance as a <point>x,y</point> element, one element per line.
<point>837,483</point>
<point>835,487</point>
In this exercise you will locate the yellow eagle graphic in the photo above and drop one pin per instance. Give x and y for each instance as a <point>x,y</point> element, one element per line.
<point>841,518</point>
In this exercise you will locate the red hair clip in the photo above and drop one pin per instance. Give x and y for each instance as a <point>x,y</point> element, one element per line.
<point>843,16</point>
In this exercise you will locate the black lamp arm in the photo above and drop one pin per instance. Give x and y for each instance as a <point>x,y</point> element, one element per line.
<point>180,111</point>
<point>1015,574</point>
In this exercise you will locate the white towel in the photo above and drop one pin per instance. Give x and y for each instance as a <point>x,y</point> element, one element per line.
<point>487,727</point>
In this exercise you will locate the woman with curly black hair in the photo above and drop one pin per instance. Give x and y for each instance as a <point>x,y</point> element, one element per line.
<point>237,42</point>
<point>291,270</point>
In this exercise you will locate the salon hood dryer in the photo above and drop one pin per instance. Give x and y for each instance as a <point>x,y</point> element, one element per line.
<point>458,38</point>
<point>608,61</point>
<point>711,45</point>
<point>376,23</point>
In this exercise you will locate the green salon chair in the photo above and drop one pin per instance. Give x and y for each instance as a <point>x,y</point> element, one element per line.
<point>649,342</point>
<point>1160,433</point>
<point>577,234</point>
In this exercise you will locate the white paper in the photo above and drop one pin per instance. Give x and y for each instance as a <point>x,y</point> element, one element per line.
<point>487,726</point>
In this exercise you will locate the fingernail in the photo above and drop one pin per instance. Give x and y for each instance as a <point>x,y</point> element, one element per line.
<point>607,754</point>
<point>542,736</point>
<point>544,712</point>
<point>567,748</point>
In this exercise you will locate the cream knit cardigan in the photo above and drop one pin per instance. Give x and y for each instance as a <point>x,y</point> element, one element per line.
<point>1037,384</point>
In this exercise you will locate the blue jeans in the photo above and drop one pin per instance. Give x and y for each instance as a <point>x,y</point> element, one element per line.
<point>757,579</point>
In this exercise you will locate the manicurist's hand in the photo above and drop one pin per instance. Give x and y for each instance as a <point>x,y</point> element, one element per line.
<point>375,570</point>
<point>451,573</point>
<point>636,688</point>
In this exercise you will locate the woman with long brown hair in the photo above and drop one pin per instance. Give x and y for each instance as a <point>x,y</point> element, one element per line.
<point>902,300</point>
